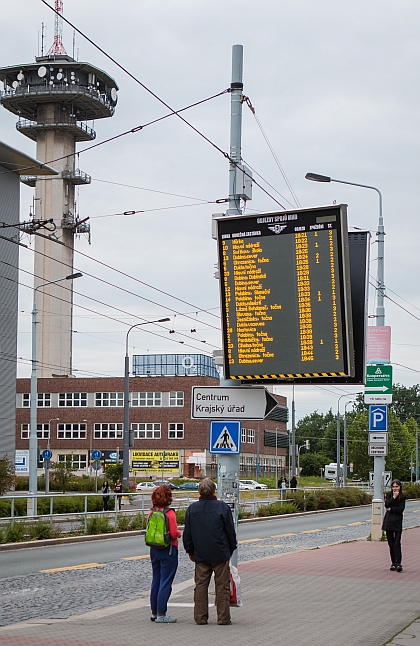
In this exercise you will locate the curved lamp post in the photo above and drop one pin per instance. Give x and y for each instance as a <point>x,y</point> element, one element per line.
<point>126,432</point>
<point>33,484</point>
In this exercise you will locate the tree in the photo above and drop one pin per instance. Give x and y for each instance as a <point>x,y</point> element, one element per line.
<point>321,430</point>
<point>7,475</point>
<point>114,471</point>
<point>62,472</point>
<point>311,463</point>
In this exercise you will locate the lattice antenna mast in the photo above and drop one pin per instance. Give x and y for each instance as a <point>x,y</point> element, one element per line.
<point>57,47</point>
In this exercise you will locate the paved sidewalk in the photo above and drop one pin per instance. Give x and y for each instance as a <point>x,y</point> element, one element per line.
<point>338,594</point>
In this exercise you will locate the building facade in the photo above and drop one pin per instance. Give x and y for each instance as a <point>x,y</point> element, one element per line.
<point>13,164</point>
<point>78,415</point>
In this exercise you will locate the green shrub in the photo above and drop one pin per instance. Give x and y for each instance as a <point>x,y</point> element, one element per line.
<point>137,521</point>
<point>2,536</point>
<point>243,512</point>
<point>276,509</point>
<point>41,530</point>
<point>16,532</point>
<point>123,522</point>
<point>180,516</point>
<point>411,490</point>
<point>98,525</point>
<point>324,500</point>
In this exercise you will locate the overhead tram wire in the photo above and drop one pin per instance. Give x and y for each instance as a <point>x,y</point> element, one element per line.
<point>277,161</point>
<point>163,208</point>
<point>117,309</point>
<point>112,318</point>
<point>147,89</point>
<point>121,134</point>
<point>196,309</point>
<point>395,303</point>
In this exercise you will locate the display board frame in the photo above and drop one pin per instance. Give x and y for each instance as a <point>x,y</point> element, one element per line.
<point>274,268</point>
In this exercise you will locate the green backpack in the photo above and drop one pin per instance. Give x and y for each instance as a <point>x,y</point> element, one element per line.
<point>157,529</point>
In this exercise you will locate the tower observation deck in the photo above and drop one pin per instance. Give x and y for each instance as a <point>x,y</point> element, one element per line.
<point>54,98</point>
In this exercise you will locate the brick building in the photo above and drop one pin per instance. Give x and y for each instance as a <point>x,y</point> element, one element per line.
<point>77,415</point>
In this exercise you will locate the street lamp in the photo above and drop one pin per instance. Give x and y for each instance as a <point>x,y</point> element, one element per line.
<point>306,446</point>
<point>380,308</point>
<point>378,462</point>
<point>33,484</point>
<point>126,432</point>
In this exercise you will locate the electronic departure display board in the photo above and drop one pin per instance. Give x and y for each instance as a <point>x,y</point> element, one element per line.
<point>285,291</point>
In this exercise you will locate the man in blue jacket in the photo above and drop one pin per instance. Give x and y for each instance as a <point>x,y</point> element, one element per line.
<point>209,539</point>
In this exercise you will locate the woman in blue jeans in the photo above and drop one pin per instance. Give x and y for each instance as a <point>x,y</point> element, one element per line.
<point>164,562</point>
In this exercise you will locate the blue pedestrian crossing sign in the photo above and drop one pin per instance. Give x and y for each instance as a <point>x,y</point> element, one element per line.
<point>378,418</point>
<point>225,437</point>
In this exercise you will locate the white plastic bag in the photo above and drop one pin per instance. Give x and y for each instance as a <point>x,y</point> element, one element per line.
<point>235,587</point>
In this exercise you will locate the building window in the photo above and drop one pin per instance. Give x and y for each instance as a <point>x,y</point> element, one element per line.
<point>249,463</point>
<point>175,431</point>
<point>146,399</point>
<point>176,398</point>
<point>109,399</point>
<point>243,435</point>
<point>43,400</point>
<point>108,431</point>
<point>42,431</point>
<point>72,399</point>
<point>76,461</point>
<point>146,431</point>
<point>251,436</point>
<point>266,464</point>
<point>71,431</point>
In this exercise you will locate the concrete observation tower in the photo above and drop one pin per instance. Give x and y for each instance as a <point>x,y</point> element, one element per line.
<point>54,98</point>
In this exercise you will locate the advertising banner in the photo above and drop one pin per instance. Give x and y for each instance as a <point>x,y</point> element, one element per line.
<point>155,461</point>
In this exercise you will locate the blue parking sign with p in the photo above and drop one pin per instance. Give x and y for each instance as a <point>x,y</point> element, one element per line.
<point>378,418</point>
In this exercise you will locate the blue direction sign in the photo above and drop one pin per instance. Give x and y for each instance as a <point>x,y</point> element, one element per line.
<point>225,437</point>
<point>378,418</point>
<point>46,454</point>
<point>96,455</point>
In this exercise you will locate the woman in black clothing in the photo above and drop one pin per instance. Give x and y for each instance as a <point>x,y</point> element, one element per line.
<point>105,494</point>
<point>392,525</point>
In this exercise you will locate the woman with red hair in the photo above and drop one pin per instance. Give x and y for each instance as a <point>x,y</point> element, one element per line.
<point>164,561</point>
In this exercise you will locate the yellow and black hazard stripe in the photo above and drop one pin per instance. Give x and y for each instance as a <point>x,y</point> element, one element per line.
<point>297,375</point>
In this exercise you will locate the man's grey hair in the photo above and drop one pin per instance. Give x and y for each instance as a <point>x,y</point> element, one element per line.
<point>206,487</point>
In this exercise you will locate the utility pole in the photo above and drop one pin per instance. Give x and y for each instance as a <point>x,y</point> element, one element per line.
<point>236,94</point>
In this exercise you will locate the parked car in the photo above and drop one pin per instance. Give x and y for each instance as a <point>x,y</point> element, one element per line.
<point>247,485</point>
<point>189,486</point>
<point>146,486</point>
<point>157,483</point>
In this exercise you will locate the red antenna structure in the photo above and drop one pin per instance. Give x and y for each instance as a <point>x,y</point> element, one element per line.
<point>57,47</point>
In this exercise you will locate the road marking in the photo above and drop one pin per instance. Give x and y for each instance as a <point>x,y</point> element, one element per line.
<point>416,511</point>
<point>85,566</point>
<point>135,558</point>
<point>250,540</point>
<point>282,535</point>
<point>311,531</point>
<point>359,522</point>
<point>336,527</point>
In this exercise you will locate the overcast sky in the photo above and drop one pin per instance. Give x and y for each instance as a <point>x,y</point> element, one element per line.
<point>336,88</point>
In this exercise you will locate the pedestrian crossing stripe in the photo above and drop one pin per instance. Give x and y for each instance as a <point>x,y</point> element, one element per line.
<point>225,441</point>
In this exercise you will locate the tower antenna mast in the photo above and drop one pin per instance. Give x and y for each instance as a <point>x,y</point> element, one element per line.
<point>57,47</point>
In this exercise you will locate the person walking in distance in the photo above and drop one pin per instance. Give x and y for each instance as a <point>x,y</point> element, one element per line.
<point>209,538</point>
<point>105,494</point>
<point>392,524</point>
<point>164,561</point>
<point>118,489</point>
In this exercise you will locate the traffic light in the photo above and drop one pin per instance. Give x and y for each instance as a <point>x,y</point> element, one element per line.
<point>307,445</point>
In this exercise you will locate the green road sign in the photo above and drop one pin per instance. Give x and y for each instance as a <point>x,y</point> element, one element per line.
<point>378,380</point>
<point>378,389</point>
